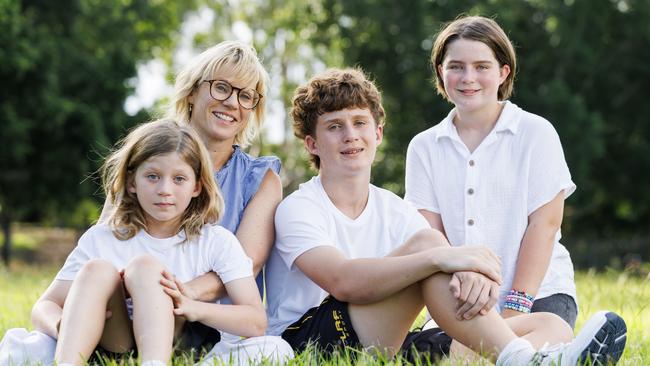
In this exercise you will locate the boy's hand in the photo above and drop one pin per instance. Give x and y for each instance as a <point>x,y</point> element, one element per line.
<point>476,294</point>
<point>476,258</point>
<point>183,305</point>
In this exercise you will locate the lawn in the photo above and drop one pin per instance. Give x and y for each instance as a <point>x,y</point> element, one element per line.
<point>628,295</point>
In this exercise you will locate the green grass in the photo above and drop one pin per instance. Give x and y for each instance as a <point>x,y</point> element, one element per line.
<point>626,294</point>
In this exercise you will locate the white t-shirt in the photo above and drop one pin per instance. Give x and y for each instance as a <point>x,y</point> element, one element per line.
<point>485,197</point>
<point>307,219</point>
<point>216,249</point>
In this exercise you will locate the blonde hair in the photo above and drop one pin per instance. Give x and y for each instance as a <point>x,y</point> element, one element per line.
<point>153,139</point>
<point>246,67</point>
<point>481,29</point>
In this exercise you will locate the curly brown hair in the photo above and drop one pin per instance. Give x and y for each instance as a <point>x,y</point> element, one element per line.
<point>333,90</point>
<point>145,141</point>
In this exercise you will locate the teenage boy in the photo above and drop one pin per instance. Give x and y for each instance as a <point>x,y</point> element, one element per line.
<point>353,264</point>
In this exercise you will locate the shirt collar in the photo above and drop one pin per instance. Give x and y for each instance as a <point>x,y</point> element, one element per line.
<point>508,121</point>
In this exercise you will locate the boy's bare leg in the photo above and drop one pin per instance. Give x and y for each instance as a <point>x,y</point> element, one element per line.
<point>153,319</point>
<point>384,324</point>
<point>84,311</point>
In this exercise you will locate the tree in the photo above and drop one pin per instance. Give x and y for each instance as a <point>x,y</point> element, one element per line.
<point>65,73</point>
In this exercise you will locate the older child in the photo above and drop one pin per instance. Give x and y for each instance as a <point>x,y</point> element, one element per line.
<point>353,264</point>
<point>165,199</point>
<point>491,173</point>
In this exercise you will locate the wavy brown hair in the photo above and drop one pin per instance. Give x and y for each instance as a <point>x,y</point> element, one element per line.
<point>334,90</point>
<point>145,141</point>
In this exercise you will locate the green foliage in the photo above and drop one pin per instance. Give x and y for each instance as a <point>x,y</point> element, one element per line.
<point>22,285</point>
<point>65,67</point>
<point>581,67</point>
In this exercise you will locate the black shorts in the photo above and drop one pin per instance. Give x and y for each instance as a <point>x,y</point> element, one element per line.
<point>426,345</point>
<point>327,327</point>
<point>198,337</point>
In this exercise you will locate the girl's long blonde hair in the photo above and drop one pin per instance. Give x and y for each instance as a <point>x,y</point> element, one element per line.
<point>145,141</point>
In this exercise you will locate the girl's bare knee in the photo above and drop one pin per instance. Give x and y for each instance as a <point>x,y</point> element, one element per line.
<point>143,268</point>
<point>553,321</point>
<point>98,271</point>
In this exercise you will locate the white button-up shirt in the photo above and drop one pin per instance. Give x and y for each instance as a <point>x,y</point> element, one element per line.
<point>485,197</point>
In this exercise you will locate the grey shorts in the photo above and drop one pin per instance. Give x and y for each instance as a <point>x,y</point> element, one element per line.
<point>561,305</point>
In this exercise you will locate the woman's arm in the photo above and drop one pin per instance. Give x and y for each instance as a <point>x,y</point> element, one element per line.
<point>256,230</point>
<point>48,309</point>
<point>246,317</point>
<point>537,247</point>
<point>256,234</point>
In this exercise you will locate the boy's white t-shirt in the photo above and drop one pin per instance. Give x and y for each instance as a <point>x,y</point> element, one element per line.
<point>306,219</point>
<point>485,197</point>
<point>215,249</point>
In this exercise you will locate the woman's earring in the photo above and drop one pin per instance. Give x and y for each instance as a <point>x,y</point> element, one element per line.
<point>191,109</point>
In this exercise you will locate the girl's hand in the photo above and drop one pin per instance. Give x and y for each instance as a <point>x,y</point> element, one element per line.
<point>476,294</point>
<point>183,305</point>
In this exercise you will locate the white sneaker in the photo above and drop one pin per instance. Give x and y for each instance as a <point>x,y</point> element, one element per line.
<point>600,342</point>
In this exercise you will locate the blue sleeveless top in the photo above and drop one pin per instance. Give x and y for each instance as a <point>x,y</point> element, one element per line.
<point>239,179</point>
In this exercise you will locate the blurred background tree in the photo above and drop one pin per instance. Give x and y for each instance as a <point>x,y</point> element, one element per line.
<point>583,66</point>
<point>65,67</point>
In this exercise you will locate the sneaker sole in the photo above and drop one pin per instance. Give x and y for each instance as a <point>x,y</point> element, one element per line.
<point>608,342</point>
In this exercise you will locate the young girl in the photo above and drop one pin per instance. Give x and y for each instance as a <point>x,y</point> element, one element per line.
<point>491,173</point>
<point>160,183</point>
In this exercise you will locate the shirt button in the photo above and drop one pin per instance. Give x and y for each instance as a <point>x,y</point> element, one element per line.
<point>470,222</point>
<point>470,191</point>
<point>471,163</point>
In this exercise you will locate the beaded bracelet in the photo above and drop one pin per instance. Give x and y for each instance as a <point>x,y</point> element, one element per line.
<point>519,301</point>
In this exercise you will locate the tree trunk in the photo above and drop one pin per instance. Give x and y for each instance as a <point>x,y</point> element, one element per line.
<point>6,229</point>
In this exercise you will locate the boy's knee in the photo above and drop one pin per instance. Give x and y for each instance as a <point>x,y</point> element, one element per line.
<point>143,268</point>
<point>426,239</point>
<point>98,271</point>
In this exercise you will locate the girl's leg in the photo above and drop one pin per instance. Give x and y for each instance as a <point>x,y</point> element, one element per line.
<point>538,328</point>
<point>153,319</point>
<point>118,330</point>
<point>561,305</point>
<point>84,311</point>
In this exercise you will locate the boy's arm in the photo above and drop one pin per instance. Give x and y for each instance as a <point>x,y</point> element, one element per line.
<point>48,309</point>
<point>366,280</point>
<point>475,293</point>
<point>537,248</point>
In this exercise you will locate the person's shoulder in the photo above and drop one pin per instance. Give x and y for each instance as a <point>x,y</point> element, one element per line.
<point>303,199</point>
<point>259,163</point>
<point>211,232</point>
<point>97,236</point>
<point>430,135</point>
<point>531,123</point>
<point>98,230</point>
